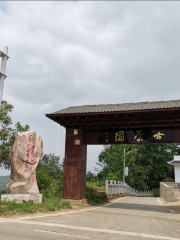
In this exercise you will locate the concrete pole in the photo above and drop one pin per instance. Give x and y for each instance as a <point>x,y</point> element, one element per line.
<point>3,71</point>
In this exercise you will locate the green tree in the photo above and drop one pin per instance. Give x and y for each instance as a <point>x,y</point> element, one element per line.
<point>52,164</point>
<point>153,158</point>
<point>90,176</point>
<point>111,163</point>
<point>50,174</point>
<point>7,133</point>
<point>147,165</point>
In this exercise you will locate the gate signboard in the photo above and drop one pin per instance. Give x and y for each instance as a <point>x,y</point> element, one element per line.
<point>136,136</point>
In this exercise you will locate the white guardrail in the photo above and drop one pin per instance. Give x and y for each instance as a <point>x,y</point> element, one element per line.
<point>114,187</point>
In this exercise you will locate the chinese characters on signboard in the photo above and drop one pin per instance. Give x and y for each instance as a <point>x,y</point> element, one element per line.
<point>30,153</point>
<point>133,136</point>
<point>139,136</point>
<point>119,136</point>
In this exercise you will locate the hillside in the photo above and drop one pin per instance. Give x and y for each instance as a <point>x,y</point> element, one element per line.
<point>3,182</point>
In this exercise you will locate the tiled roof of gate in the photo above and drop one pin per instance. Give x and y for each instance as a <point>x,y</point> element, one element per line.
<point>103,108</point>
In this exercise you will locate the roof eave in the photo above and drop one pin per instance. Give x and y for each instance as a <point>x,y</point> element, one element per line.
<point>114,112</point>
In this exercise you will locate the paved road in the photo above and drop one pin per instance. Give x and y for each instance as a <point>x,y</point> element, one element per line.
<point>129,218</point>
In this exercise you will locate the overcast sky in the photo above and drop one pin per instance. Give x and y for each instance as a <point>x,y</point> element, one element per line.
<point>77,53</point>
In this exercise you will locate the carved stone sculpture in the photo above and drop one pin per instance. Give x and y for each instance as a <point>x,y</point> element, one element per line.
<point>26,153</point>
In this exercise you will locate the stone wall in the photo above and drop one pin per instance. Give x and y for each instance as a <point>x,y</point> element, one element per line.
<point>177,194</point>
<point>176,187</point>
<point>167,192</point>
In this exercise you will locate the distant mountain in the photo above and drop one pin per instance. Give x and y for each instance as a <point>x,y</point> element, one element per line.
<point>3,182</point>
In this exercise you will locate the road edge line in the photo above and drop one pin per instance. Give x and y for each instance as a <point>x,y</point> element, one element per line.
<point>64,213</point>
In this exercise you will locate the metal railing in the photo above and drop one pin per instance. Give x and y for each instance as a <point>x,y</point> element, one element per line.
<point>114,187</point>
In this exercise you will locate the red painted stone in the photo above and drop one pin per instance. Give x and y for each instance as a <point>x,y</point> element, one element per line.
<point>26,154</point>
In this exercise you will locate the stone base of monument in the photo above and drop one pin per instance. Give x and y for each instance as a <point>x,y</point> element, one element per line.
<point>76,203</point>
<point>22,198</point>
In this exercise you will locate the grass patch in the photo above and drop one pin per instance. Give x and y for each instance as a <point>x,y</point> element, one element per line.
<point>51,201</point>
<point>91,187</point>
<point>96,185</point>
<point>48,204</point>
<point>52,194</point>
<point>92,199</point>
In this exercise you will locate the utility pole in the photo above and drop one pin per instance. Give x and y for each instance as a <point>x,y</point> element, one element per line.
<point>4,55</point>
<point>124,164</point>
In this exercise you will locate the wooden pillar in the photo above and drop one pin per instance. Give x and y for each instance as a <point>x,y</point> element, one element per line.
<point>74,182</point>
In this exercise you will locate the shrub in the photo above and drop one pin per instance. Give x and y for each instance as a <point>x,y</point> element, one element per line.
<point>92,199</point>
<point>43,179</point>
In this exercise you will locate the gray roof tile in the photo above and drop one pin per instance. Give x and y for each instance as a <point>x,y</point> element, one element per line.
<point>120,107</point>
